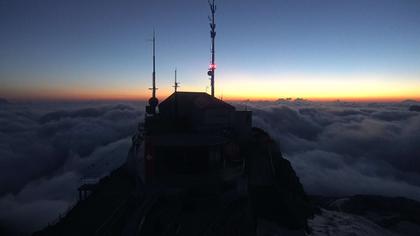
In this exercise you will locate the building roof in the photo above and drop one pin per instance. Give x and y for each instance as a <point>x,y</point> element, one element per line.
<point>193,101</point>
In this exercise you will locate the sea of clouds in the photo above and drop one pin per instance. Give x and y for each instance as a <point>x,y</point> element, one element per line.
<point>47,149</point>
<point>341,148</point>
<point>336,148</point>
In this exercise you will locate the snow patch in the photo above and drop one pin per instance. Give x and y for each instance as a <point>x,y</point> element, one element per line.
<point>343,224</point>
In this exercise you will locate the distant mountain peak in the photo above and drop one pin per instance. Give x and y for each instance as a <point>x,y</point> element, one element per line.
<point>409,101</point>
<point>4,101</point>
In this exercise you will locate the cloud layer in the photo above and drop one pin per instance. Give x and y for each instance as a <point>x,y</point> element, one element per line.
<point>336,148</point>
<point>347,148</point>
<point>46,149</point>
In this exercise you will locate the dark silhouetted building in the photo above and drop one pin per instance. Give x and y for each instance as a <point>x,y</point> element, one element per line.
<point>193,134</point>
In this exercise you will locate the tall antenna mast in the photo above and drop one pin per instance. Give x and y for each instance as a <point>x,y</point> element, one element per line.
<point>154,66</point>
<point>212,66</point>
<point>153,101</point>
<point>176,84</point>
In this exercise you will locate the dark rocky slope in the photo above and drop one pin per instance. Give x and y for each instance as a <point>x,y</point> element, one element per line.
<point>107,207</point>
<point>281,199</point>
<point>268,191</point>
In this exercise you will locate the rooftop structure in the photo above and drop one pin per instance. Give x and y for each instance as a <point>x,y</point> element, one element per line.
<point>192,132</point>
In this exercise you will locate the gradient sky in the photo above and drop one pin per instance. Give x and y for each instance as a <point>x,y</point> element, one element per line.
<point>266,49</point>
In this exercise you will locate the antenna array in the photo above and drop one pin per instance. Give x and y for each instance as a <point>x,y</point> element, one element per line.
<point>212,66</point>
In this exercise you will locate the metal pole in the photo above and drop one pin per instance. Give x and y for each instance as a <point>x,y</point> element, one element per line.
<point>213,36</point>
<point>154,66</point>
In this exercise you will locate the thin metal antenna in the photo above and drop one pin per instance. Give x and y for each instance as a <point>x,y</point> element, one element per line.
<point>154,66</point>
<point>212,67</point>
<point>176,84</point>
<point>153,101</point>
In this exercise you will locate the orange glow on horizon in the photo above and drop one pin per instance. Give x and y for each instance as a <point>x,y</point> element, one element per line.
<point>360,88</point>
<point>247,87</point>
<point>227,97</point>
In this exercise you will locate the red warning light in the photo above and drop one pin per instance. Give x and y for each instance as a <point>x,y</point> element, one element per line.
<point>212,66</point>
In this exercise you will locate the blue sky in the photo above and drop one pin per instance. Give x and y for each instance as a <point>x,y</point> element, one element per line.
<point>100,48</point>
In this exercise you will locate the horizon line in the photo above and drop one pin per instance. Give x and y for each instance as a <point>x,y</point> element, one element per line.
<point>227,98</point>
